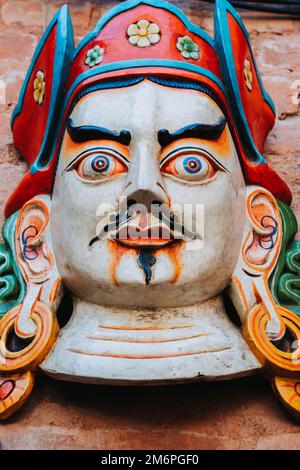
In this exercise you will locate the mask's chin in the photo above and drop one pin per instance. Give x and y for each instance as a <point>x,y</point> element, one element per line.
<point>147,263</point>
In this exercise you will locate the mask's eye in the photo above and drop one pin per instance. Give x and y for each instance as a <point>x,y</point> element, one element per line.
<point>190,167</point>
<point>99,165</point>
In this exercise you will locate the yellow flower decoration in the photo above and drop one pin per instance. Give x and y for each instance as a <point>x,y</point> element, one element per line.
<point>39,86</point>
<point>248,75</point>
<point>143,33</point>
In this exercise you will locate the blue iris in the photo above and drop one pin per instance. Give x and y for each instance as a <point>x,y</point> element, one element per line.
<point>100,164</point>
<point>192,164</point>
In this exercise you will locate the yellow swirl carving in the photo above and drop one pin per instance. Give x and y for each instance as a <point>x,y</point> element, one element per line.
<point>274,360</point>
<point>31,356</point>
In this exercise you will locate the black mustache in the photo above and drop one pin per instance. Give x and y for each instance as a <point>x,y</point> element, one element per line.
<point>118,220</point>
<point>121,218</point>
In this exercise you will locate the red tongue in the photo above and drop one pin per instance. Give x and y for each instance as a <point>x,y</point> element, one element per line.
<point>6,388</point>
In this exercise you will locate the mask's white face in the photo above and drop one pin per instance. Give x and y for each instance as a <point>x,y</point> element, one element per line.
<point>192,168</point>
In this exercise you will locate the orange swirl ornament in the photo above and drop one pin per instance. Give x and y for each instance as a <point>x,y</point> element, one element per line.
<point>275,361</point>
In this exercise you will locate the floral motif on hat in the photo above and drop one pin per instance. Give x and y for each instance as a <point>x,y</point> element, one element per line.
<point>94,56</point>
<point>188,48</point>
<point>39,86</point>
<point>143,33</point>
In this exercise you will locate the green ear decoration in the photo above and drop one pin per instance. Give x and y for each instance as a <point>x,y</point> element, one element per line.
<point>12,285</point>
<point>284,282</point>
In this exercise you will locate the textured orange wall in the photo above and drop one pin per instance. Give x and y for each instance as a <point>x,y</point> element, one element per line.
<point>241,414</point>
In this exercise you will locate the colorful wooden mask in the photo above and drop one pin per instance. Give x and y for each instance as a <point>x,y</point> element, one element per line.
<point>147,203</point>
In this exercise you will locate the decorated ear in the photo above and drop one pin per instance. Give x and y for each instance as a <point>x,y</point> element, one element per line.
<point>36,259</point>
<point>35,117</point>
<point>31,245</point>
<point>259,251</point>
<point>252,107</point>
<point>263,240</point>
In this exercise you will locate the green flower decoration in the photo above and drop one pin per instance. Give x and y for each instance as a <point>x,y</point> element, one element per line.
<point>94,56</point>
<point>188,48</point>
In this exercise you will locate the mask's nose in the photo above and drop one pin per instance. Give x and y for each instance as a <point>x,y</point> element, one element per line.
<point>144,184</point>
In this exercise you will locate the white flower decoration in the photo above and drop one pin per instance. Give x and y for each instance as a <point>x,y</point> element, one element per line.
<point>39,87</point>
<point>94,56</point>
<point>143,33</point>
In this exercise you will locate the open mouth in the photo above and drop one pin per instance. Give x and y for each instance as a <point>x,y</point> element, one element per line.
<point>146,243</point>
<point>149,237</point>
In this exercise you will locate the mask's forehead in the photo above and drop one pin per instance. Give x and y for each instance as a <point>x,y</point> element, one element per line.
<point>147,103</point>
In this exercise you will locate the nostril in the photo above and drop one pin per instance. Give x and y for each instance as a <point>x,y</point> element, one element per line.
<point>155,202</point>
<point>131,202</point>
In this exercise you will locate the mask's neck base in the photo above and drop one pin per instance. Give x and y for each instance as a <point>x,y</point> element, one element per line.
<point>149,346</point>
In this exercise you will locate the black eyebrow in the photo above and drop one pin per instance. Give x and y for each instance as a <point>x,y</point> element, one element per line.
<point>195,130</point>
<point>86,133</point>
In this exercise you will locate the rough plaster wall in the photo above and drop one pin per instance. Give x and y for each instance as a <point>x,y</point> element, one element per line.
<point>240,414</point>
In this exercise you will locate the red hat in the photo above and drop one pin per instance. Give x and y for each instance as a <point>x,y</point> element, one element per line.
<point>141,37</point>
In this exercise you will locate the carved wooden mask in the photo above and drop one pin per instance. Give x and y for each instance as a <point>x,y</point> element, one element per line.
<point>147,201</point>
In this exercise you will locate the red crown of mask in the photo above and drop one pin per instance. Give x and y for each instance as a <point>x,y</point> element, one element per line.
<point>141,37</point>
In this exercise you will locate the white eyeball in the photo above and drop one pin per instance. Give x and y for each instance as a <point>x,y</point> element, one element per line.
<point>97,166</point>
<point>192,167</point>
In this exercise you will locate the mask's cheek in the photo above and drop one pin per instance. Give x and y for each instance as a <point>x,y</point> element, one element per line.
<point>75,217</point>
<point>216,212</point>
